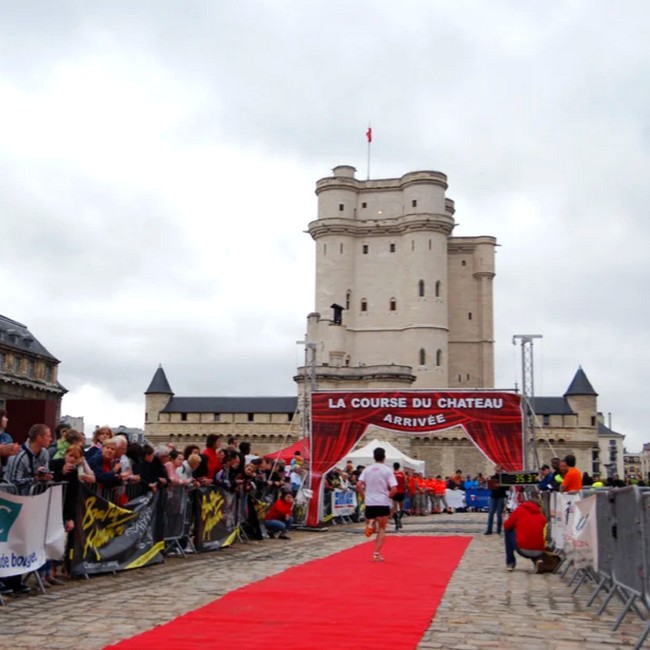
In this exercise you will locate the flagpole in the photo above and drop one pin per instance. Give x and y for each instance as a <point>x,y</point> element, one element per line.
<point>369,137</point>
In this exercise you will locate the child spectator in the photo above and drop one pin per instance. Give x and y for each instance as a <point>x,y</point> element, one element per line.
<point>279,519</point>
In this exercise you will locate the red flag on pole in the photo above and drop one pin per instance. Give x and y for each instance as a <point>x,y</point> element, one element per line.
<point>369,134</point>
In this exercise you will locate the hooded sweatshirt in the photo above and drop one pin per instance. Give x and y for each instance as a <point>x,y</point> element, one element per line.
<point>528,522</point>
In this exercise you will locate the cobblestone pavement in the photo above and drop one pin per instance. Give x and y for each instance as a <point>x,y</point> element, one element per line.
<point>484,606</point>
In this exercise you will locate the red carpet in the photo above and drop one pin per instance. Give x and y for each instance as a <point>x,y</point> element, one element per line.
<point>341,601</point>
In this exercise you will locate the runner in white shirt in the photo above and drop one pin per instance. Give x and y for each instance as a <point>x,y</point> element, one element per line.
<point>377,485</point>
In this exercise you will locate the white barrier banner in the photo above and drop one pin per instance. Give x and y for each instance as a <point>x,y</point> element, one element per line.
<point>344,503</point>
<point>585,533</point>
<point>455,499</point>
<point>23,522</point>
<point>561,516</point>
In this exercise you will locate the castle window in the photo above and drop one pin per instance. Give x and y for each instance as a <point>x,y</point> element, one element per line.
<point>438,358</point>
<point>348,296</point>
<point>593,420</point>
<point>364,305</point>
<point>324,249</point>
<point>364,205</point>
<point>414,203</point>
<point>364,249</point>
<point>290,417</point>
<point>412,244</point>
<point>16,364</point>
<point>392,248</point>
<point>393,304</point>
<point>546,420</point>
<point>216,417</point>
<point>347,361</point>
<point>463,263</point>
<point>469,316</point>
<point>429,244</point>
<point>146,416</point>
<point>183,417</point>
<point>423,357</point>
<point>341,248</point>
<point>251,417</point>
<point>421,288</point>
<point>30,368</point>
<point>438,285</point>
<point>48,373</point>
<point>3,356</point>
<point>341,207</point>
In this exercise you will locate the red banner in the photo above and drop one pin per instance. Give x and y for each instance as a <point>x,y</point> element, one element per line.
<point>491,420</point>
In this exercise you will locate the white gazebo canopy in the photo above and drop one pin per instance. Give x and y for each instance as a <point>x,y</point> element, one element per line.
<point>363,456</point>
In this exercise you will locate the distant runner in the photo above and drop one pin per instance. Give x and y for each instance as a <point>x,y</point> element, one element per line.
<point>377,485</point>
<point>398,497</point>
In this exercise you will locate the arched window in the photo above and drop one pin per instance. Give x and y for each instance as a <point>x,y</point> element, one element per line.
<point>364,304</point>
<point>393,304</point>
<point>423,357</point>
<point>421,288</point>
<point>438,358</point>
<point>438,285</point>
<point>348,297</point>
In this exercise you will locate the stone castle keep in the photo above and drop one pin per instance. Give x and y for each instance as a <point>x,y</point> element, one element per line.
<point>399,303</point>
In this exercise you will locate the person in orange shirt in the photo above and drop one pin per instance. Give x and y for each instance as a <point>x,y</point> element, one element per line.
<point>571,475</point>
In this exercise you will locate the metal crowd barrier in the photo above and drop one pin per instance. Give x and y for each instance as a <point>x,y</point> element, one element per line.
<point>622,567</point>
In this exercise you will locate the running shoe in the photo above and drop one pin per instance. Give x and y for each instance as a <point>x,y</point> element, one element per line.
<point>371,527</point>
<point>377,558</point>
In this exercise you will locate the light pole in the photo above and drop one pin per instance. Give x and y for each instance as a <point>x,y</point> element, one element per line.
<point>528,393</point>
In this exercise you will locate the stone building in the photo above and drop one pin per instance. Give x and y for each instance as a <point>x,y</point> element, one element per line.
<point>268,422</point>
<point>399,303</point>
<point>29,388</point>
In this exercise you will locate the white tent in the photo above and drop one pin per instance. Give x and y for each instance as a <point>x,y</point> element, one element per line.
<point>363,456</point>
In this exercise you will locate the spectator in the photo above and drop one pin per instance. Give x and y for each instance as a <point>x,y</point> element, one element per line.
<point>557,475</point>
<point>31,464</point>
<point>106,466</point>
<point>547,481</point>
<point>210,461</point>
<point>497,501</point>
<point>571,475</point>
<point>72,469</point>
<point>278,519</point>
<point>524,535</point>
<point>150,469</point>
<point>7,445</point>
<point>99,437</point>
<point>68,437</point>
<point>59,433</point>
<point>185,471</point>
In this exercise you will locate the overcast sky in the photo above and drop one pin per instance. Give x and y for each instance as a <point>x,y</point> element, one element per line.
<point>158,162</point>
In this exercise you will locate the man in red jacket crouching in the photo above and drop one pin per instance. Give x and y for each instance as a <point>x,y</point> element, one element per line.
<point>524,534</point>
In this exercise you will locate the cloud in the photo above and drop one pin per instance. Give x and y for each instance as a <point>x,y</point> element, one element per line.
<point>159,162</point>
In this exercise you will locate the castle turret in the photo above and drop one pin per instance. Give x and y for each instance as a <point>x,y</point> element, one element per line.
<point>157,396</point>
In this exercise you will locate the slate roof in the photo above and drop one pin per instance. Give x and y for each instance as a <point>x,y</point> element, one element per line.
<point>159,383</point>
<point>551,406</point>
<point>231,405</point>
<point>607,432</point>
<point>580,385</point>
<point>16,335</point>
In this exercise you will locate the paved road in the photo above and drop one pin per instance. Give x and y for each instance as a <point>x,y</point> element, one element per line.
<point>484,606</point>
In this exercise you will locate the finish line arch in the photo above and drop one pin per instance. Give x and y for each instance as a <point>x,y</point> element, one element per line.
<point>492,420</point>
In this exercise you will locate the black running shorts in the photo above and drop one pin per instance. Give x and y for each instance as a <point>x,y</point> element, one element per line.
<point>373,512</point>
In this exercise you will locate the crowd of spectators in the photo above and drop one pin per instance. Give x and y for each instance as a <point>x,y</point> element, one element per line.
<point>119,469</point>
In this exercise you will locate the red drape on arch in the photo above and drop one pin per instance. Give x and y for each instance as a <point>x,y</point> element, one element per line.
<point>491,420</point>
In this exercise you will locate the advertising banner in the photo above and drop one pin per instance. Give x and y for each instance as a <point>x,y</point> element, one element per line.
<point>585,533</point>
<point>344,503</point>
<point>216,518</point>
<point>26,524</point>
<point>114,538</point>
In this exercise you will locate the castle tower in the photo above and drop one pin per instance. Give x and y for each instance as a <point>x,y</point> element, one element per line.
<point>399,302</point>
<point>157,396</point>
